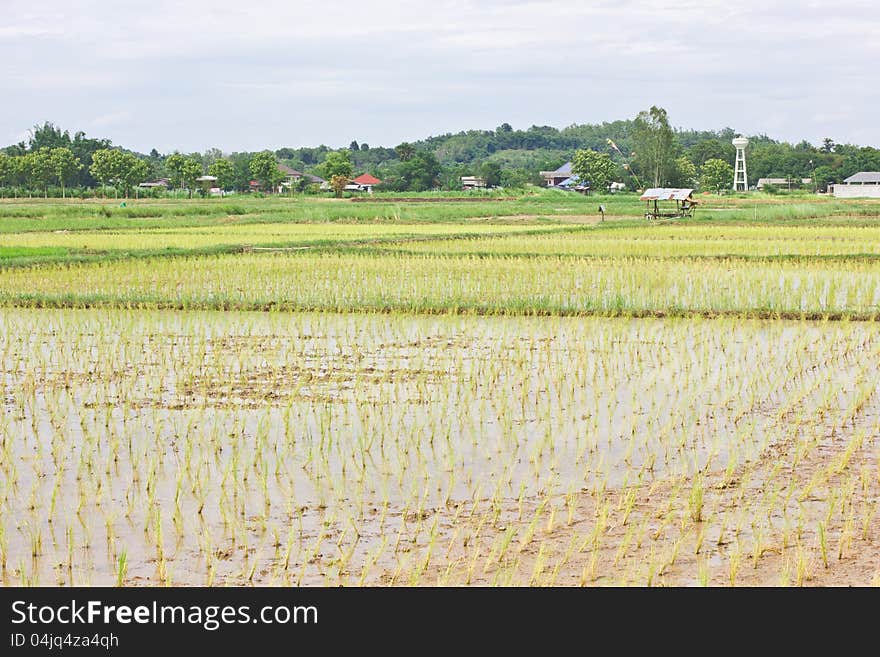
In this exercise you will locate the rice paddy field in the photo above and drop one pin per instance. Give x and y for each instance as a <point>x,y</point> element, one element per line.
<point>499,392</point>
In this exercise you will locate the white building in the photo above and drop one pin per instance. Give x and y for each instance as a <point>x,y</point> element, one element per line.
<point>784,183</point>
<point>865,184</point>
<point>473,182</point>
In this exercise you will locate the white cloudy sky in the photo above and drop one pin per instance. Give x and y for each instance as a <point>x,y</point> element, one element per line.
<point>247,75</point>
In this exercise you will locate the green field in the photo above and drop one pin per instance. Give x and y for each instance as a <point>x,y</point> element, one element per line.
<point>488,257</point>
<point>496,392</point>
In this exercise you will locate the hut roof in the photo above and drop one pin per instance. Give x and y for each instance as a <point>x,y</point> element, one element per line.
<point>667,194</point>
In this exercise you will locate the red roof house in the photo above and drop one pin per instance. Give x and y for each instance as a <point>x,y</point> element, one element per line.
<point>366,180</point>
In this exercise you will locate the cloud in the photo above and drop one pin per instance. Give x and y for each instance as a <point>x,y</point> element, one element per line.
<point>190,75</point>
<point>13,32</point>
<point>111,119</point>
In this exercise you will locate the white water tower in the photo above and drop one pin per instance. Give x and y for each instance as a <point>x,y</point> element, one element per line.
<point>740,179</point>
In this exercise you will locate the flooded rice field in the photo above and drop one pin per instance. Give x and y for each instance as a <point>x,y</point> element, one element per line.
<point>321,449</point>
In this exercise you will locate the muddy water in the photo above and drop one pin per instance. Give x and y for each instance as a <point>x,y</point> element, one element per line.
<point>269,448</point>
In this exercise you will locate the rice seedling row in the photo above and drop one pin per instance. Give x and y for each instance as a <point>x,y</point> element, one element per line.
<point>144,447</point>
<point>346,281</point>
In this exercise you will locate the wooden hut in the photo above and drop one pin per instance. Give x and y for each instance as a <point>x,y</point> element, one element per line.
<point>668,202</point>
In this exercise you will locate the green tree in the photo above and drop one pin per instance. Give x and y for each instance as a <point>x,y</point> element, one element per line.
<point>241,165</point>
<point>64,165</point>
<point>491,171</point>
<point>83,147</point>
<point>520,178</point>
<point>337,163</point>
<point>134,172</point>
<point>685,173</point>
<point>224,172</point>
<point>338,183</point>
<point>22,171</point>
<point>418,174</point>
<point>210,156</point>
<point>174,166</point>
<point>49,136</point>
<point>264,167</point>
<point>597,169</point>
<point>189,171</point>
<point>405,151</point>
<point>824,176</point>
<point>39,168</point>
<point>7,170</point>
<point>123,170</point>
<point>712,148</point>
<point>103,166</point>
<point>716,175</point>
<point>654,143</point>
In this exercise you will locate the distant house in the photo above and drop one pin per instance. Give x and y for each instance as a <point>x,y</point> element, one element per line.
<point>292,176</point>
<point>787,183</point>
<point>864,184</point>
<point>553,178</point>
<point>473,182</point>
<point>209,184</point>
<point>365,183</point>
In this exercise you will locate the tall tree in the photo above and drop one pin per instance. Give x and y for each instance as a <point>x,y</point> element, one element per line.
<point>654,145</point>
<point>183,171</point>
<point>824,176</point>
<point>174,166</point>
<point>133,171</point>
<point>241,165</point>
<point>684,173</point>
<point>7,170</point>
<point>47,135</point>
<point>210,156</point>
<point>64,165</point>
<point>491,171</point>
<point>716,175</point>
<point>264,167</point>
<point>418,174</point>
<point>337,163</point>
<point>83,147</point>
<point>190,170</point>
<point>103,166</point>
<point>122,170</point>
<point>711,148</point>
<point>39,168</point>
<point>597,169</point>
<point>405,151</point>
<point>224,172</point>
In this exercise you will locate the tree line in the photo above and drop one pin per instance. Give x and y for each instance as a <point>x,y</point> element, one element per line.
<point>641,152</point>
